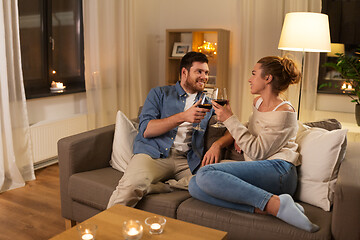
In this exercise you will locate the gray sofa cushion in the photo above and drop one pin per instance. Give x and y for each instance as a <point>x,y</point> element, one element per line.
<point>165,204</point>
<point>94,188</point>
<point>328,124</point>
<point>103,182</point>
<point>242,225</point>
<point>212,134</point>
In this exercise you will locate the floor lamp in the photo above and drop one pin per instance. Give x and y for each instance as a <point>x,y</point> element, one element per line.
<point>305,32</point>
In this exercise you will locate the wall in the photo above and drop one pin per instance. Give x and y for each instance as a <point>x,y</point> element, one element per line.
<point>335,106</point>
<point>51,119</point>
<point>56,107</point>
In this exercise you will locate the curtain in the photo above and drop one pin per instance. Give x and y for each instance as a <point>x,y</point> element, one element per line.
<point>112,71</point>
<point>259,30</point>
<point>16,161</point>
<point>260,24</point>
<point>247,59</point>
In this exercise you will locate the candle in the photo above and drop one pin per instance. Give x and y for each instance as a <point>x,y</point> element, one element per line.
<point>132,232</point>
<point>87,236</point>
<point>155,226</point>
<point>59,85</point>
<point>87,231</point>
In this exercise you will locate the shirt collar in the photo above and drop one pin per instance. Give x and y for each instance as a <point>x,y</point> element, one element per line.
<point>179,89</point>
<point>182,92</point>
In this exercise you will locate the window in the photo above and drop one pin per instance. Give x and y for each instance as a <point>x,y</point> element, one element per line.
<point>52,48</point>
<point>344,30</point>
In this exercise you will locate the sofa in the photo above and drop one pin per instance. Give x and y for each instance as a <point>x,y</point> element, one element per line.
<point>87,181</point>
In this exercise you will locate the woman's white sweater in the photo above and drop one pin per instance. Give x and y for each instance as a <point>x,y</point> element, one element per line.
<point>268,135</point>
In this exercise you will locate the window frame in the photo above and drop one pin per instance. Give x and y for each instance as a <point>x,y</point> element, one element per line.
<point>333,86</point>
<point>38,88</point>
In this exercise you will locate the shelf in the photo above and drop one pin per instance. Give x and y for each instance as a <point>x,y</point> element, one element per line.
<point>174,58</point>
<point>218,64</point>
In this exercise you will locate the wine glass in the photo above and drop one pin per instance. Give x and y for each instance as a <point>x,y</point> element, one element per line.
<point>219,96</point>
<point>205,103</point>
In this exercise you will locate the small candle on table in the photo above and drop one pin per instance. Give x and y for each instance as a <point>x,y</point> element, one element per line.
<point>133,232</point>
<point>155,226</point>
<point>87,235</point>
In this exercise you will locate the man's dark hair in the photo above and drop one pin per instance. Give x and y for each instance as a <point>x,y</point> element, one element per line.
<point>190,57</point>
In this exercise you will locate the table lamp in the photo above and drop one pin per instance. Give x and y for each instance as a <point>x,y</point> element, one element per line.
<point>305,32</point>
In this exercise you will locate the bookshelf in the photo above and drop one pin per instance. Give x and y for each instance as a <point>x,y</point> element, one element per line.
<point>218,63</point>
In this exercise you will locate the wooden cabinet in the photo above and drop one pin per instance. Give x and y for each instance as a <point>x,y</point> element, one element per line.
<point>218,62</point>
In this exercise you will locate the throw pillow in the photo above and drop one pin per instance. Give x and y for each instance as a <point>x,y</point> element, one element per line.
<point>321,152</point>
<point>124,137</point>
<point>328,124</point>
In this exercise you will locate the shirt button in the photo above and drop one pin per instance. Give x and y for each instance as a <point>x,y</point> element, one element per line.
<point>183,101</point>
<point>166,149</point>
<point>172,138</point>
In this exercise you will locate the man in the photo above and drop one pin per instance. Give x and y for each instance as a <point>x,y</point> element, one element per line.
<point>167,147</point>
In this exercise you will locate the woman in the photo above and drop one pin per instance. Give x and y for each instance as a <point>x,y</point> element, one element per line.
<point>265,182</point>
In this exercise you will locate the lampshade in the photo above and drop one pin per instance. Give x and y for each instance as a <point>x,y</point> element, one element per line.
<point>305,31</point>
<point>336,48</point>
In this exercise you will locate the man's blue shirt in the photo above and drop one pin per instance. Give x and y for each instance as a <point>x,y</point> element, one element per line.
<point>163,102</point>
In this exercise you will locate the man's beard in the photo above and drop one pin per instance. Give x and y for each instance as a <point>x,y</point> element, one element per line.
<point>194,85</point>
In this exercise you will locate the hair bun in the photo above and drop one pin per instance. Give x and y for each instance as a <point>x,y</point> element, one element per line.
<point>290,70</point>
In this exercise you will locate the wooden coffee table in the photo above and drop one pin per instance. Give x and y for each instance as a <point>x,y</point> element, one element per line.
<point>109,223</point>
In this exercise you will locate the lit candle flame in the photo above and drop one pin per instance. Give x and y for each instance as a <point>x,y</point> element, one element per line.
<point>347,87</point>
<point>155,226</point>
<point>87,235</point>
<point>132,232</point>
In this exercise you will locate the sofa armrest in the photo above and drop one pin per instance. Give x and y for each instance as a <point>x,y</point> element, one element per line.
<point>79,153</point>
<point>346,208</point>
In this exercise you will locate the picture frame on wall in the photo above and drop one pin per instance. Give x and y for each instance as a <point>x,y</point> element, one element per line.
<point>180,49</point>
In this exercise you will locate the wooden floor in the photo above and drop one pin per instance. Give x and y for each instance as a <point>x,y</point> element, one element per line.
<point>33,212</point>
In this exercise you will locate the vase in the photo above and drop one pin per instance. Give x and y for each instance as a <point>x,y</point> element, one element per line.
<point>357,114</point>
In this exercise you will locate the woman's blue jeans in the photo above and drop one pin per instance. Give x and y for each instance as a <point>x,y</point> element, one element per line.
<point>244,185</point>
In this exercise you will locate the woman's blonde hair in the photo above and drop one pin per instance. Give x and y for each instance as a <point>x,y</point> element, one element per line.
<point>283,71</point>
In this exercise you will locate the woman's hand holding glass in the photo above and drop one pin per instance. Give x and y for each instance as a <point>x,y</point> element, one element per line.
<point>222,112</point>
<point>219,96</point>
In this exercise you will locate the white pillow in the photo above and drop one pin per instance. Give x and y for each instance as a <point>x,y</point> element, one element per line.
<point>124,136</point>
<point>321,152</point>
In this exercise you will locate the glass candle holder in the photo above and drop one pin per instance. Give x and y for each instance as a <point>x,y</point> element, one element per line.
<point>156,224</point>
<point>87,231</point>
<point>132,230</point>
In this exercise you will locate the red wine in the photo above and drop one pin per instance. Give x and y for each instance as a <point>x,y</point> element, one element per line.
<point>205,105</point>
<point>222,102</point>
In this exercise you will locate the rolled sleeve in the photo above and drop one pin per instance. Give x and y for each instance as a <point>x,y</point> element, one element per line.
<point>150,110</point>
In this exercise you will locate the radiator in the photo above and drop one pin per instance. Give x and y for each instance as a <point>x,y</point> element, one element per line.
<point>45,135</point>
